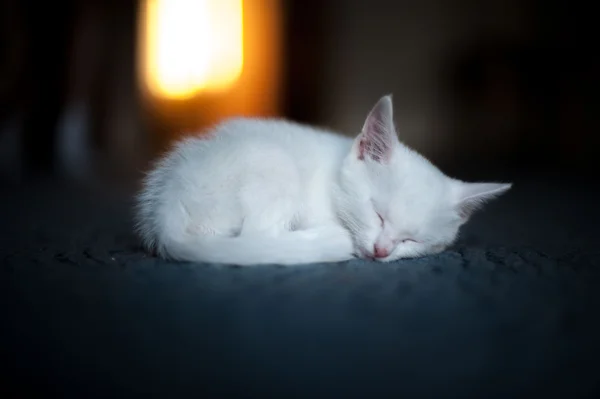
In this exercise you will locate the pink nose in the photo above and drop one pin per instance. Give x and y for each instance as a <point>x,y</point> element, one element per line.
<point>380,252</point>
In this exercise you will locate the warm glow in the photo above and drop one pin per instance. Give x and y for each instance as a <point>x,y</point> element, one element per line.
<point>191,46</point>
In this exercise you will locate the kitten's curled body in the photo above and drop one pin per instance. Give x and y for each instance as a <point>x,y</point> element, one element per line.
<point>266,191</point>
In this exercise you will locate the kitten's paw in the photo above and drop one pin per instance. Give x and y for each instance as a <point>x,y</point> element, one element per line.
<point>340,247</point>
<point>332,243</point>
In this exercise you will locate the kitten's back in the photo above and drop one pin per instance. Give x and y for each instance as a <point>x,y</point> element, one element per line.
<point>296,138</point>
<point>215,183</point>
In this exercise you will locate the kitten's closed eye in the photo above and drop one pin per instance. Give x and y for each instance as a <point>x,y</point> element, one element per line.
<point>407,240</point>
<point>398,241</point>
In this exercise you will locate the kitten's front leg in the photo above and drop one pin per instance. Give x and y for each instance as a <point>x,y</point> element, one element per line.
<point>333,242</point>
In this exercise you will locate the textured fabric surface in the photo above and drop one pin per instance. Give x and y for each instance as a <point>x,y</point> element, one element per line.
<point>512,309</point>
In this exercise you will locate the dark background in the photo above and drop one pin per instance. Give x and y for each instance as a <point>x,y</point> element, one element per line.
<point>486,89</point>
<point>503,83</point>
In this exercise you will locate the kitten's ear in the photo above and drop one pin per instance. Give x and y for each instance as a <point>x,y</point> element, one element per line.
<point>378,138</point>
<point>469,197</point>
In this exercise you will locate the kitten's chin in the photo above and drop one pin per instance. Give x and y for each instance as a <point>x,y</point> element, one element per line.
<point>365,254</point>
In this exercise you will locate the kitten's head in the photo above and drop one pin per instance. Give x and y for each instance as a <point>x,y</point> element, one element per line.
<point>397,204</point>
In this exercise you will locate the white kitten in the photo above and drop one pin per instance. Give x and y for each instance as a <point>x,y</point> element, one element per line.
<point>274,192</point>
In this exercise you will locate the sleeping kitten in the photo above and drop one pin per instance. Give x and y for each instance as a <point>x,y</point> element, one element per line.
<point>259,191</point>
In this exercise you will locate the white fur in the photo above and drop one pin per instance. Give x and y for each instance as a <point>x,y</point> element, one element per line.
<point>260,191</point>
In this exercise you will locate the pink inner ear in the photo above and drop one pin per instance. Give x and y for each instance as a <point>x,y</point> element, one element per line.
<point>361,149</point>
<point>377,150</point>
<point>366,147</point>
<point>378,134</point>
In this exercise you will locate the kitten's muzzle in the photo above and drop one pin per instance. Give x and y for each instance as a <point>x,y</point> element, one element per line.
<point>380,252</point>
<point>377,253</point>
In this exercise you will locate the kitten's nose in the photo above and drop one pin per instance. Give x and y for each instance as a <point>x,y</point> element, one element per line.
<point>380,252</point>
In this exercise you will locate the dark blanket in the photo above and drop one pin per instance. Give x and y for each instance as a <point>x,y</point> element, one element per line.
<point>512,309</point>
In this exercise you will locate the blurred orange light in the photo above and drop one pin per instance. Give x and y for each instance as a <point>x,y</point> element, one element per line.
<point>191,46</point>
